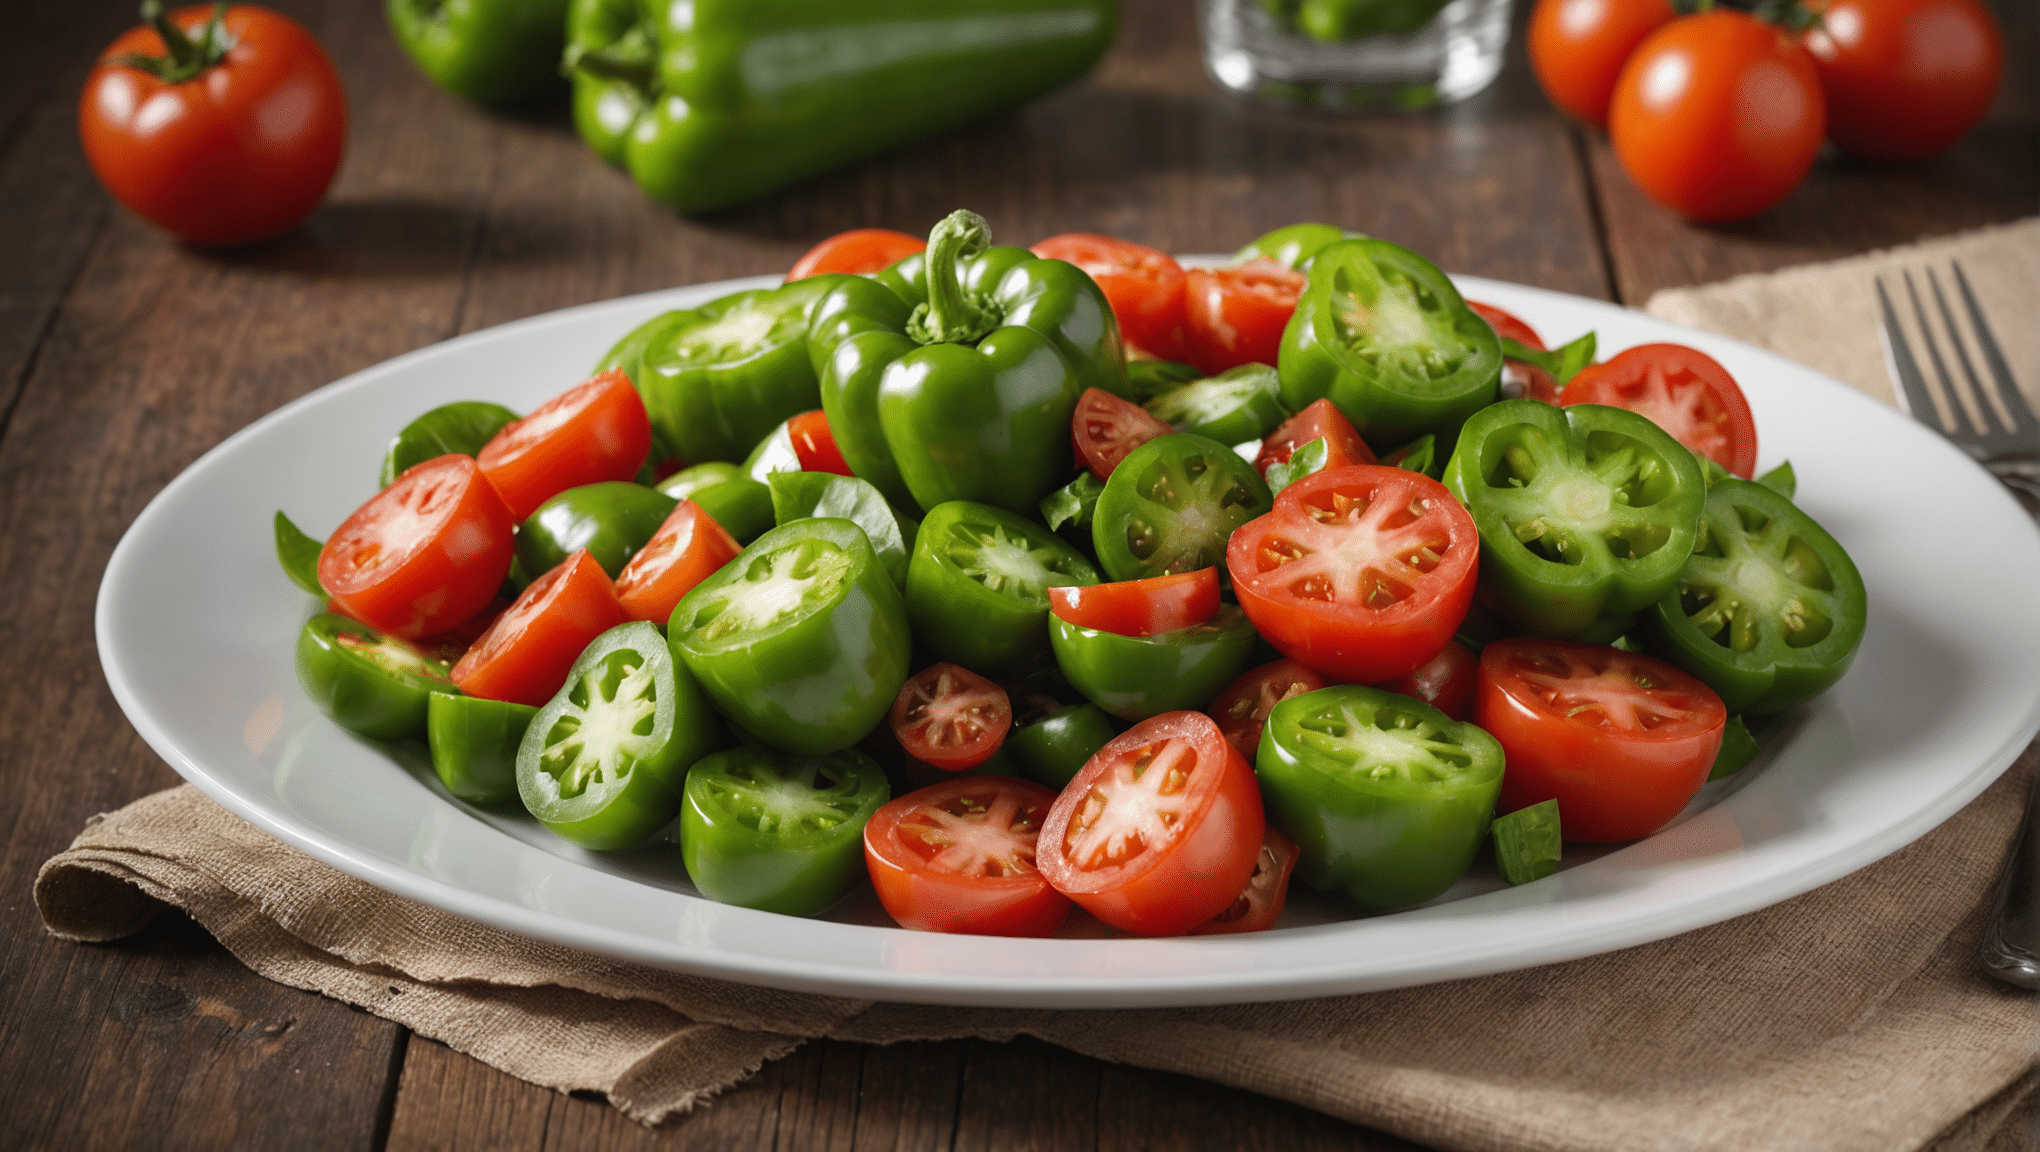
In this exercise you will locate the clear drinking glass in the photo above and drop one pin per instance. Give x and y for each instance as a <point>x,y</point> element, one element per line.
<point>1256,48</point>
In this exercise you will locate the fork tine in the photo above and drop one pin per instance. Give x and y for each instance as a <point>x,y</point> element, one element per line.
<point>1985,413</point>
<point>1958,413</point>
<point>2009,395</point>
<point>1914,394</point>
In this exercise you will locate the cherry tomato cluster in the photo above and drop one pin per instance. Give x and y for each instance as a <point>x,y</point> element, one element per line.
<point>1718,114</point>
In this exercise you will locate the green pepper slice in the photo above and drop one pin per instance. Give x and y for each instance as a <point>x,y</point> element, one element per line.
<point>1385,334</point>
<point>1147,379</point>
<point>717,378</point>
<point>1053,749</point>
<point>1738,748</point>
<point>298,553</point>
<point>1070,509</point>
<point>686,482</point>
<point>802,639</point>
<point>474,745</point>
<point>1135,677</point>
<point>1769,609</point>
<point>1293,246</point>
<point>742,506</point>
<point>365,681</point>
<point>1172,504</point>
<point>1528,843</point>
<point>1243,403</point>
<point>462,428</point>
<point>611,519</point>
<point>1584,512</point>
<point>1386,796</point>
<point>977,586</point>
<point>1419,455</point>
<point>779,832</point>
<point>602,763</point>
<point>799,495</point>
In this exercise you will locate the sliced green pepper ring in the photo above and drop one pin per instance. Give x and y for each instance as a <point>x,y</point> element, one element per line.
<point>602,762</point>
<point>1584,512</point>
<point>474,745</point>
<point>1053,749</point>
<point>612,520</point>
<point>1135,677</point>
<point>463,427</point>
<point>365,681</point>
<point>1243,403</point>
<point>977,586</point>
<point>1293,246</point>
<point>1769,609</point>
<point>1387,797</point>
<point>1171,505</point>
<point>777,831</point>
<point>717,378</point>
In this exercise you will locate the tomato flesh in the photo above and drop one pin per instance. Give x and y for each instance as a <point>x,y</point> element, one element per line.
<point>1260,903</point>
<point>424,554</point>
<point>1106,430</point>
<point>525,655</point>
<point>1140,607</point>
<point>814,445</point>
<point>959,856</point>
<point>688,548</point>
<point>1682,390</point>
<point>594,431</point>
<point>1507,326</point>
<point>1242,709</point>
<point>950,717</point>
<point>1143,285</point>
<point>860,250</point>
<point>1319,420</point>
<point>1236,315</point>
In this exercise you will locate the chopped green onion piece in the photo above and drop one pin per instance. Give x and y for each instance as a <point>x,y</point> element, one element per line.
<point>1527,843</point>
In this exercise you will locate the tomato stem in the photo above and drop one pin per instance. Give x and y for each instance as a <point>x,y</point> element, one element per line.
<point>183,59</point>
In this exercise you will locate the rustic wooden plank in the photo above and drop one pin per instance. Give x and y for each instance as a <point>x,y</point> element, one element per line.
<point>1028,1096</point>
<point>1139,1109</point>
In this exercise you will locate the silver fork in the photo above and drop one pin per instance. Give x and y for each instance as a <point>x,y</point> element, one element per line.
<point>1998,430</point>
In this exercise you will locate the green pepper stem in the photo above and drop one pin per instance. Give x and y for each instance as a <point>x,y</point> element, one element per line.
<point>950,316</point>
<point>628,60</point>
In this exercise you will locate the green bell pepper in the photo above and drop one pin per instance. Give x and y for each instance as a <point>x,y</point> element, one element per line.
<point>685,483</point>
<point>1053,749</point>
<point>1172,504</point>
<point>713,103</point>
<point>977,586</point>
<point>464,427</point>
<point>854,331</point>
<point>1135,677</point>
<point>1384,334</point>
<point>611,519</point>
<point>497,52</point>
<point>474,745</point>
<point>1584,512</point>
<point>1386,796</point>
<point>603,761</point>
<point>718,378</point>
<point>779,832</point>
<point>365,681</point>
<point>1769,610</point>
<point>740,504</point>
<point>1294,246</point>
<point>1243,403</point>
<point>799,495</point>
<point>802,639</point>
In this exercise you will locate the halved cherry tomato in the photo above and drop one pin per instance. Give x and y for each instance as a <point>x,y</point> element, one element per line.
<point>1507,326</point>
<point>1236,315</point>
<point>424,554</point>
<point>1140,607</point>
<point>687,549</point>
<point>1578,47</point>
<point>1362,573</point>
<point>594,431</point>
<point>1684,391</point>
<point>1621,741</point>
<point>1445,681</point>
<point>1320,419</point>
<point>1160,830</point>
<point>453,643</point>
<point>814,445</point>
<point>959,856</point>
<point>1242,709</point>
<point>1143,285</point>
<point>951,717</point>
<point>1260,904</point>
<point>1106,429</point>
<point>525,655</point>
<point>856,251</point>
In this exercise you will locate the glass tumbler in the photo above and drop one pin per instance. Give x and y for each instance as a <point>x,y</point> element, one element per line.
<point>1354,53</point>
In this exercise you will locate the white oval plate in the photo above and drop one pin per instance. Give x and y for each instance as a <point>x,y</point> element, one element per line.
<point>196,629</point>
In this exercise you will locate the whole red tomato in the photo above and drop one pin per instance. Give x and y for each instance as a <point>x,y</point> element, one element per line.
<point>229,134</point>
<point>1905,78</point>
<point>1578,48</point>
<point>1717,116</point>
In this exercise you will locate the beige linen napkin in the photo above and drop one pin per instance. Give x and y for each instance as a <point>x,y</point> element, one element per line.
<point>1852,1017</point>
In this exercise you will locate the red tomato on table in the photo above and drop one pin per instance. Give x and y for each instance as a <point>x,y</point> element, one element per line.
<point>525,655</point>
<point>951,717</point>
<point>1578,47</point>
<point>1904,79</point>
<point>1684,391</point>
<point>1235,316</point>
<point>1144,286</point>
<point>858,250</point>
<point>1140,607</point>
<point>592,432</point>
<point>959,856</point>
<point>424,554</point>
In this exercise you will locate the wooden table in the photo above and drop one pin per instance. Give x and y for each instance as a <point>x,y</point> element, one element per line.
<point>123,356</point>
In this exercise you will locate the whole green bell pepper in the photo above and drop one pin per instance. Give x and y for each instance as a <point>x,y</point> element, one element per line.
<point>977,586</point>
<point>1385,334</point>
<point>611,519</point>
<point>713,103</point>
<point>1769,610</point>
<point>365,681</point>
<point>490,51</point>
<point>474,745</point>
<point>779,832</point>
<point>1135,677</point>
<point>1386,797</point>
<point>1584,512</point>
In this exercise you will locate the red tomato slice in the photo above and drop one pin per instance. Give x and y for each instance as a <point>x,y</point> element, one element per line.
<point>1507,326</point>
<point>814,445</point>
<point>1242,709</point>
<point>1106,430</point>
<point>1362,573</point>
<point>1621,741</point>
<point>1445,681</point>
<point>453,643</point>
<point>1258,907</point>
<point>424,554</point>
<point>1684,391</point>
<point>687,549</point>
<point>951,717</point>
<point>1143,285</point>
<point>858,250</point>
<point>958,856</point>
<point>1319,420</point>
<point>1140,607</point>
<point>592,432</point>
<point>1522,380</point>
<point>525,655</point>
<point>1160,830</point>
<point>1236,315</point>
